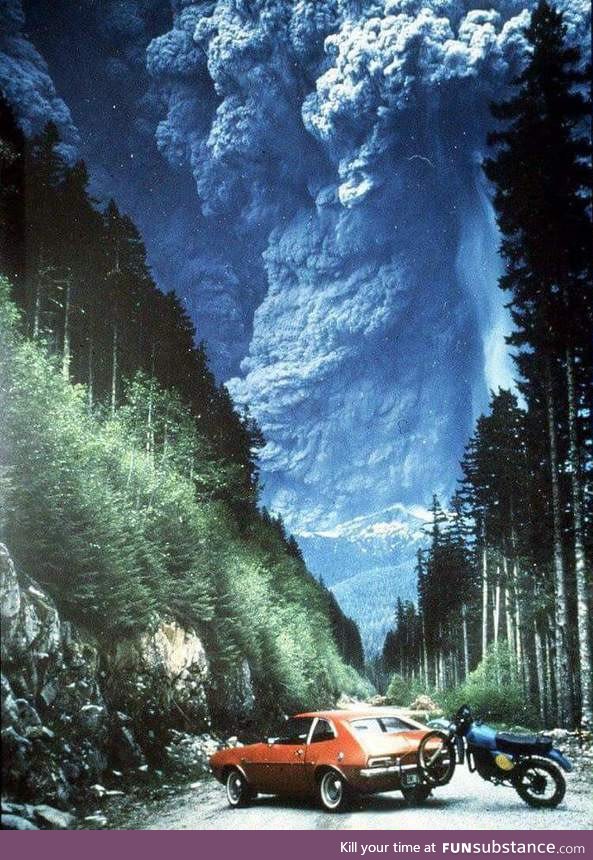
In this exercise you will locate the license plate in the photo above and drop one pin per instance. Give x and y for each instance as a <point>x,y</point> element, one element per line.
<point>409,779</point>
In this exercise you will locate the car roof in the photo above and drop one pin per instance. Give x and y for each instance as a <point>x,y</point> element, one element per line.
<point>355,714</point>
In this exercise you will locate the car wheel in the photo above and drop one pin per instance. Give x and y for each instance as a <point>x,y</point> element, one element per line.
<point>416,794</point>
<point>238,791</point>
<point>333,791</point>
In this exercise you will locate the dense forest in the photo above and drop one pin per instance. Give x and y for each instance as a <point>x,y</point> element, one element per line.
<point>129,483</point>
<point>504,586</point>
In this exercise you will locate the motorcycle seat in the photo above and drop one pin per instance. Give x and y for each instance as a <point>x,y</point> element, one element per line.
<point>533,744</point>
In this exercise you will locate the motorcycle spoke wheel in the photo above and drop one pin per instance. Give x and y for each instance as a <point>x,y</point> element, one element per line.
<point>436,758</point>
<point>540,783</point>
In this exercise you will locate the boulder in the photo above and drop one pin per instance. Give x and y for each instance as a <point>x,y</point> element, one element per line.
<point>27,715</point>
<point>424,703</point>
<point>558,734</point>
<point>25,810</point>
<point>10,595</point>
<point>55,819</point>
<point>126,752</point>
<point>188,754</point>
<point>15,822</point>
<point>9,709</point>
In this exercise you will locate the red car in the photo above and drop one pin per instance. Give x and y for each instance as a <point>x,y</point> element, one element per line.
<point>332,755</point>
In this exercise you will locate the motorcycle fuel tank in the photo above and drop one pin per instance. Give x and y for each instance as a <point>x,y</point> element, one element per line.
<point>482,736</point>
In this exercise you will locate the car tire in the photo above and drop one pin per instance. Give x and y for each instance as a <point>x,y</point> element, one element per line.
<point>238,791</point>
<point>417,794</point>
<point>333,792</point>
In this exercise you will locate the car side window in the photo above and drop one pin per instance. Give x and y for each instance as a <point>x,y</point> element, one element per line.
<point>296,731</point>
<point>322,732</point>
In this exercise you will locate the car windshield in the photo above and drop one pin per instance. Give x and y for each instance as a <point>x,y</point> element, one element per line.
<point>380,725</point>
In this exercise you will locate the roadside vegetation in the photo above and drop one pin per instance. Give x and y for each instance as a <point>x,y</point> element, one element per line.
<point>129,483</point>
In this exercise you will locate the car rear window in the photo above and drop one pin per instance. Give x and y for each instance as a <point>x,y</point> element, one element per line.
<point>394,724</point>
<point>368,726</point>
<point>380,725</point>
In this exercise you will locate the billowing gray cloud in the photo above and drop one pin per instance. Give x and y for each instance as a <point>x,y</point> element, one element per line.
<point>307,176</point>
<point>26,83</point>
<point>345,138</point>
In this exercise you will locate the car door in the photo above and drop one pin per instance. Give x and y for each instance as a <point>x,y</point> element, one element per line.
<point>321,749</point>
<point>284,759</point>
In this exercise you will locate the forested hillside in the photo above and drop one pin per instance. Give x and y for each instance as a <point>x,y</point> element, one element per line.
<point>129,483</point>
<point>504,610</point>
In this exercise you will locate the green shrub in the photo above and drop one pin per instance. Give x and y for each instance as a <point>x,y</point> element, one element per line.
<point>402,692</point>
<point>492,691</point>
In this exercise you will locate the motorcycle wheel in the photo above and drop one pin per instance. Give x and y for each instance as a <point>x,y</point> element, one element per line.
<point>436,758</point>
<point>539,783</point>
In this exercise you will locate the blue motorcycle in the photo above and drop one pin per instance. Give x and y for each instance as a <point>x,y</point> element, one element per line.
<point>527,763</point>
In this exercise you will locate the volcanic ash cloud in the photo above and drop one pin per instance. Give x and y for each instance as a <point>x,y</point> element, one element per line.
<point>346,138</point>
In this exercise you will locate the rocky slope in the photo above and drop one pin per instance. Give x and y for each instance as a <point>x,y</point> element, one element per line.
<point>81,719</point>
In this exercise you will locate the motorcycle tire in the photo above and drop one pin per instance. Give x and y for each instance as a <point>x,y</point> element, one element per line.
<point>436,758</point>
<point>540,783</point>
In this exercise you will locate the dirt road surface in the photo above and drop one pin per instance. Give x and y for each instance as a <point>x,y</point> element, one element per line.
<point>466,803</point>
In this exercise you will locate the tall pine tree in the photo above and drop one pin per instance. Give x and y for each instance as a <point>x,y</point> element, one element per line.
<point>542,174</point>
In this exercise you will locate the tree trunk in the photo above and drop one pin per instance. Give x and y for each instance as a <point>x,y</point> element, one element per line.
<point>522,661</point>
<point>37,307</point>
<point>525,674</point>
<point>563,674</point>
<point>66,341</point>
<point>550,662</point>
<point>582,595</point>
<point>455,669</point>
<point>496,607</point>
<point>540,673</point>
<point>508,617</point>
<point>484,599</point>
<point>114,369</point>
<point>425,653</point>
<point>90,373</point>
<point>465,641</point>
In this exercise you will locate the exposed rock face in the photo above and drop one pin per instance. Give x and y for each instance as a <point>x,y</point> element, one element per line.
<point>76,713</point>
<point>164,677</point>
<point>49,677</point>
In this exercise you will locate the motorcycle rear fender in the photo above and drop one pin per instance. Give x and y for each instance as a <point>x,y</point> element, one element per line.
<point>560,759</point>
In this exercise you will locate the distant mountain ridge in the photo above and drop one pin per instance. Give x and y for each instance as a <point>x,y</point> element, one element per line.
<point>368,562</point>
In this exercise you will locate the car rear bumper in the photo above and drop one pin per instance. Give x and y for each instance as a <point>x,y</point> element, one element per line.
<point>392,770</point>
<point>370,780</point>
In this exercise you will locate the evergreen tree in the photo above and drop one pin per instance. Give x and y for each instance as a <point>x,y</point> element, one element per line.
<point>542,175</point>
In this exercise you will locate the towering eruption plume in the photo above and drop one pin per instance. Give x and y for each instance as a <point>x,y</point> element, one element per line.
<point>348,137</point>
<point>308,175</point>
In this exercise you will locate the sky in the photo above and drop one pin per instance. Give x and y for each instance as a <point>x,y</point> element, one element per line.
<point>307,177</point>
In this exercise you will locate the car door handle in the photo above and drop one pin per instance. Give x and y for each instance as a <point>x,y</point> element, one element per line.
<point>299,753</point>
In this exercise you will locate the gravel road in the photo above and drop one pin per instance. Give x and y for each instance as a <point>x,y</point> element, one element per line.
<point>466,803</point>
